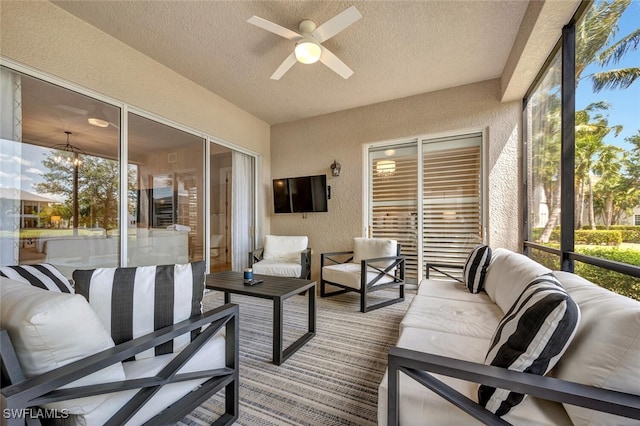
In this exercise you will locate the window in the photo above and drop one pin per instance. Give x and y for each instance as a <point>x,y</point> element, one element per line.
<point>601,243</point>
<point>62,196</point>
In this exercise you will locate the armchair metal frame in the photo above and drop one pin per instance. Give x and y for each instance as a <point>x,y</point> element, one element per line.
<point>394,270</point>
<point>18,394</point>
<point>420,366</point>
<point>305,260</point>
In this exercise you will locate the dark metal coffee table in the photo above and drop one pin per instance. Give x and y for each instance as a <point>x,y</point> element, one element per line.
<point>277,289</point>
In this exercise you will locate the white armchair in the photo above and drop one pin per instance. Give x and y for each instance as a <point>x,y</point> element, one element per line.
<point>283,256</point>
<point>374,264</point>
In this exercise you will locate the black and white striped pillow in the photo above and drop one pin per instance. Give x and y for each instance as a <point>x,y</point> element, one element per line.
<point>475,268</point>
<point>43,275</point>
<point>135,301</point>
<point>530,338</point>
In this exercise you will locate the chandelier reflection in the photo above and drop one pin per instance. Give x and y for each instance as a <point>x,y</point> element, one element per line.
<point>385,168</point>
<point>68,153</point>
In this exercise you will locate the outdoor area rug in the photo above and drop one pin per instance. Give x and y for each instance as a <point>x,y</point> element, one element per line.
<point>332,380</point>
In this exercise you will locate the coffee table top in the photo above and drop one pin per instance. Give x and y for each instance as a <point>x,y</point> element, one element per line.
<point>272,287</point>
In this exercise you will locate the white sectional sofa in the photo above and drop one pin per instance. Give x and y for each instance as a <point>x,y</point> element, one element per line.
<point>447,320</point>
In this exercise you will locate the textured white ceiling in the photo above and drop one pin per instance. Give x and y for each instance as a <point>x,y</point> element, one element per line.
<point>398,48</point>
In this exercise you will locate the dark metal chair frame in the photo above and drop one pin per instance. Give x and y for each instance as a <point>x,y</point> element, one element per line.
<point>19,394</point>
<point>394,270</point>
<point>420,366</point>
<point>305,260</point>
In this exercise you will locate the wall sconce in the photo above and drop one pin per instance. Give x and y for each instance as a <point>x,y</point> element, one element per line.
<point>335,168</point>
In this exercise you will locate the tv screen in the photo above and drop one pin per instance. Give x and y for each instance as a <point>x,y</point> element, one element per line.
<point>300,194</point>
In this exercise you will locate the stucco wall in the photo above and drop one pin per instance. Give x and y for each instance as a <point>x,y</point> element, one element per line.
<point>43,36</point>
<point>309,146</point>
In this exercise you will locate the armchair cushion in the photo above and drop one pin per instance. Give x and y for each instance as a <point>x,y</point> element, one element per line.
<point>278,247</point>
<point>475,268</point>
<point>349,274</point>
<point>530,338</point>
<point>278,268</point>
<point>41,275</point>
<point>135,301</point>
<point>51,329</point>
<point>371,248</point>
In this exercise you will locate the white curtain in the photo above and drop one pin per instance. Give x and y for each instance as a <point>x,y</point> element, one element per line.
<point>242,191</point>
<point>10,156</point>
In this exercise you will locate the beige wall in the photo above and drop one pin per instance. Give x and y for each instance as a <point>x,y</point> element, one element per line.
<point>42,36</point>
<point>309,146</point>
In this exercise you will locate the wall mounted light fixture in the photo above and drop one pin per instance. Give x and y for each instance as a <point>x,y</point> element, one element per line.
<point>335,168</point>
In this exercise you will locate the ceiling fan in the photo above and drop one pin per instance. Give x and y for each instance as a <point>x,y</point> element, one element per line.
<point>309,48</point>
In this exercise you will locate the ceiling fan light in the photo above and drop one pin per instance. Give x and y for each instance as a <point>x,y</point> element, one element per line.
<point>98,122</point>
<point>308,51</point>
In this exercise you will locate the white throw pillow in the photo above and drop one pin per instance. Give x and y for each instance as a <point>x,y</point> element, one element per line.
<point>51,329</point>
<point>278,247</point>
<point>135,301</point>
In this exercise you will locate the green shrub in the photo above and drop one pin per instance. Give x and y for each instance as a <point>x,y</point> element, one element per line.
<point>598,238</point>
<point>620,283</point>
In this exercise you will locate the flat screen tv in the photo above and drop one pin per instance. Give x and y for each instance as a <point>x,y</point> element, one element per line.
<point>303,194</point>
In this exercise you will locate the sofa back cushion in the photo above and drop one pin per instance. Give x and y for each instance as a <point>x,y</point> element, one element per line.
<point>135,301</point>
<point>508,274</point>
<point>50,329</point>
<point>606,350</point>
<point>475,268</point>
<point>371,248</point>
<point>43,275</point>
<point>530,338</point>
<point>287,248</point>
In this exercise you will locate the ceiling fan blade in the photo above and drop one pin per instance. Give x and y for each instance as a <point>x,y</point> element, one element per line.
<point>336,24</point>
<point>335,64</point>
<point>274,28</point>
<point>284,66</point>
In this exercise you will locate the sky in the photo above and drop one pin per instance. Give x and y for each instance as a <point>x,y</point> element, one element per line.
<point>625,104</point>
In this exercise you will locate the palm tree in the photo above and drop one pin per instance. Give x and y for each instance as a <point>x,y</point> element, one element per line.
<point>595,44</point>
<point>590,134</point>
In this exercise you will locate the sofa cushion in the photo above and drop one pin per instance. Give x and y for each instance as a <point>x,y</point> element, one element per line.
<point>531,338</point>
<point>475,268</point>
<point>288,248</point>
<point>419,406</point>
<point>456,317</point>
<point>279,268</point>
<point>135,301</point>
<point>508,274</point>
<point>451,290</point>
<point>41,275</point>
<point>51,329</point>
<point>606,350</point>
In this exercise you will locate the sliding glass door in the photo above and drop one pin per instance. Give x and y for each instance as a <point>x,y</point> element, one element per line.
<point>427,195</point>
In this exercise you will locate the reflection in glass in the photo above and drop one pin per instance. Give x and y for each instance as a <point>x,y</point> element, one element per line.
<point>57,211</point>
<point>543,123</point>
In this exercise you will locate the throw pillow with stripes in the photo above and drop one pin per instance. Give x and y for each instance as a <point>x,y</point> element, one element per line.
<point>530,338</point>
<point>135,301</point>
<point>41,275</point>
<point>475,268</point>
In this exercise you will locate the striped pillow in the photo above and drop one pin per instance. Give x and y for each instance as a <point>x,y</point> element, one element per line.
<point>530,338</point>
<point>135,301</point>
<point>43,275</point>
<point>475,268</point>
